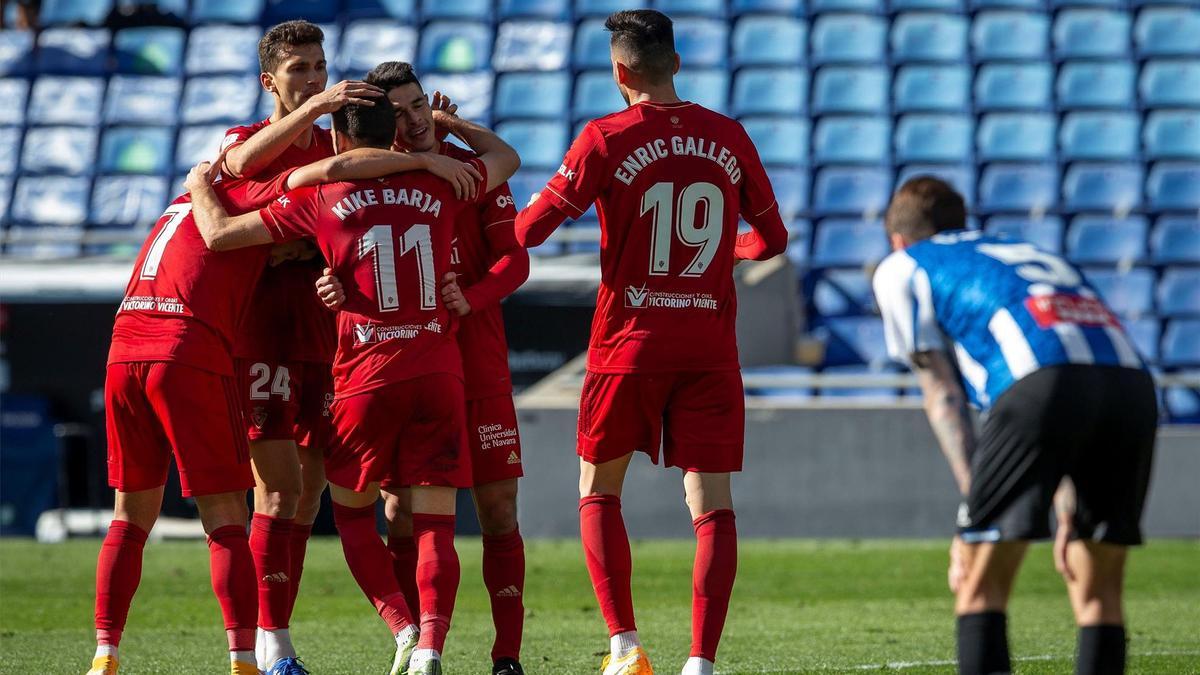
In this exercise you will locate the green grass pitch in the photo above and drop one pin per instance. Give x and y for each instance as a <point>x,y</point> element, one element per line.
<point>799,607</point>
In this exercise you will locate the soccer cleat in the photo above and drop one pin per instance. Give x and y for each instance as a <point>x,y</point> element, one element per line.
<point>636,662</point>
<point>103,665</point>
<point>243,668</point>
<point>404,652</point>
<point>288,666</point>
<point>507,666</point>
<point>430,667</point>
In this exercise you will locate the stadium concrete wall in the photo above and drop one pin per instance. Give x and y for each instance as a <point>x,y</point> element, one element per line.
<point>815,472</point>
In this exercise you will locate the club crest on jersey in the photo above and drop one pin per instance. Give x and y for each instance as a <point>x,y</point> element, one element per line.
<point>635,298</point>
<point>259,416</point>
<point>364,333</point>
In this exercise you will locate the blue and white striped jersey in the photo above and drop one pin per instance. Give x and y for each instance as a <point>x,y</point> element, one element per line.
<point>1003,308</point>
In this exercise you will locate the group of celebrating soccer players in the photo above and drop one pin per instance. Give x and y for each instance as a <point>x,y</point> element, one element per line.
<point>226,353</point>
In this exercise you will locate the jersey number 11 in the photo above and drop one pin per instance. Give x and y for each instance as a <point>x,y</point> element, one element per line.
<point>379,240</point>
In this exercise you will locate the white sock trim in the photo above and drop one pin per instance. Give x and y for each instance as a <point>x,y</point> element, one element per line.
<point>106,650</point>
<point>276,644</point>
<point>698,665</point>
<point>623,643</point>
<point>403,635</point>
<point>422,656</point>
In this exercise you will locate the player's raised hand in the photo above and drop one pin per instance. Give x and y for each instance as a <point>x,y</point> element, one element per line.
<point>198,177</point>
<point>452,295</point>
<point>442,103</point>
<point>464,177</point>
<point>342,93</point>
<point>329,289</point>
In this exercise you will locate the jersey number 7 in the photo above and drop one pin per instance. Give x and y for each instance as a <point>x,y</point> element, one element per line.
<point>380,241</point>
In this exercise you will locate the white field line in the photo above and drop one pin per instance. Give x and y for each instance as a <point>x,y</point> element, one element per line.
<point>905,665</point>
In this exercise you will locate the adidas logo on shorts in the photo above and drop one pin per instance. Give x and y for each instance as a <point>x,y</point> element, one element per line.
<point>513,458</point>
<point>508,592</point>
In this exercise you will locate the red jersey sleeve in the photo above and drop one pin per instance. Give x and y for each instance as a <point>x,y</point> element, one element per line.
<point>292,216</point>
<point>760,210</point>
<point>511,266</point>
<point>582,175</point>
<point>256,192</point>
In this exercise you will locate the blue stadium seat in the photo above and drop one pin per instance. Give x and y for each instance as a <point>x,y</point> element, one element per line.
<point>73,51</point>
<point>540,143</point>
<point>770,91</point>
<point>942,5</point>
<point>960,176</point>
<point>1145,332</point>
<point>929,37</point>
<point>1002,35</point>
<point>1018,187</point>
<point>10,149</point>
<point>459,10</point>
<point>1045,233</point>
<point>226,11</point>
<point>1096,84</point>
<point>1172,134</point>
<point>1100,135</point>
<point>66,100</point>
<point>852,190</point>
<point>943,88</point>
<point>675,8</point>
<point>1182,404</point>
<point>1174,186</point>
<point>780,140</point>
<point>144,100</point>
<point>1176,240</point>
<point>708,86</point>
<point>1103,187</point>
<point>798,249</point>
<point>369,42</point>
<point>778,393</point>
<point>1091,33</point>
<point>16,52</point>
<point>603,8</point>
<point>1100,240</point>
<point>851,38</point>
<point>591,45</point>
<point>852,139</point>
<point>791,187</point>
<point>224,49</point>
<point>934,138</point>
<point>471,91</point>
<point>149,51</point>
<point>145,150</point>
<point>702,43</point>
<point>15,93</point>
<point>555,10</point>
<point>48,242</point>
<point>851,89</point>
<point>544,95</point>
<point>1016,136</point>
<point>1166,83</point>
<point>792,7</point>
<point>128,201</point>
<point>872,6</point>
<point>849,243</point>
<point>1179,292</point>
<point>71,12</point>
<point>842,292</point>
<point>1181,344</point>
<point>59,150</point>
<point>455,47</point>
<point>50,200</point>
<point>1167,31</point>
<point>198,144</point>
<point>595,95</point>
<point>1026,86</point>
<point>769,41</point>
<point>316,11</point>
<point>221,98</point>
<point>532,45</point>
<point>1128,293</point>
<point>6,184</point>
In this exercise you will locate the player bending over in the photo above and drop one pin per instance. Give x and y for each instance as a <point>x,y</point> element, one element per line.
<point>399,406</point>
<point>488,265</point>
<point>1066,395</point>
<point>669,179</point>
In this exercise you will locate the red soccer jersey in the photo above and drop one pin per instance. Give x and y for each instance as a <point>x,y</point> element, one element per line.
<point>286,320</point>
<point>388,240</point>
<point>669,182</point>
<point>483,234</point>
<point>184,303</point>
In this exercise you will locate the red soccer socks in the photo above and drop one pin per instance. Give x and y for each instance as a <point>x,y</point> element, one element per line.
<point>712,579</point>
<point>118,572</point>
<point>606,550</point>
<point>404,566</point>
<point>270,544</point>
<point>504,577</point>
<point>370,565</point>
<point>298,543</point>
<point>437,576</point>
<point>232,570</point>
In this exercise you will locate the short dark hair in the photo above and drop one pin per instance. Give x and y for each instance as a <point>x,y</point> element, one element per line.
<point>275,43</point>
<point>370,125</point>
<point>925,206</point>
<point>391,74</point>
<point>648,38</point>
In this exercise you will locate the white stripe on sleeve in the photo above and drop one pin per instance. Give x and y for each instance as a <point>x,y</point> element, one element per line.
<point>1018,355</point>
<point>1075,343</point>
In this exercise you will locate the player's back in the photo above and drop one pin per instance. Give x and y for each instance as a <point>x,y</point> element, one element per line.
<point>670,181</point>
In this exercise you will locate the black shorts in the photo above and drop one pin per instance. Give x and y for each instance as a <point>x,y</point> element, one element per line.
<point>1095,424</point>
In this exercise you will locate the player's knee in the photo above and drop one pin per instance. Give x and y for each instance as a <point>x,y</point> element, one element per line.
<point>217,511</point>
<point>399,520</point>
<point>497,516</point>
<point>278,504</point>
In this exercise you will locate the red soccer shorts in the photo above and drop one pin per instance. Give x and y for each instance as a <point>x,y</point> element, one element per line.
<point>154,408</point>
<point>703,414</point>
<point>408,433</point>
<point>494,440</point>
<point>286,401</point>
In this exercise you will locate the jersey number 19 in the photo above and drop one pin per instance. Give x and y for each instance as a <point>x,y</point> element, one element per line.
<point>677,218</point>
